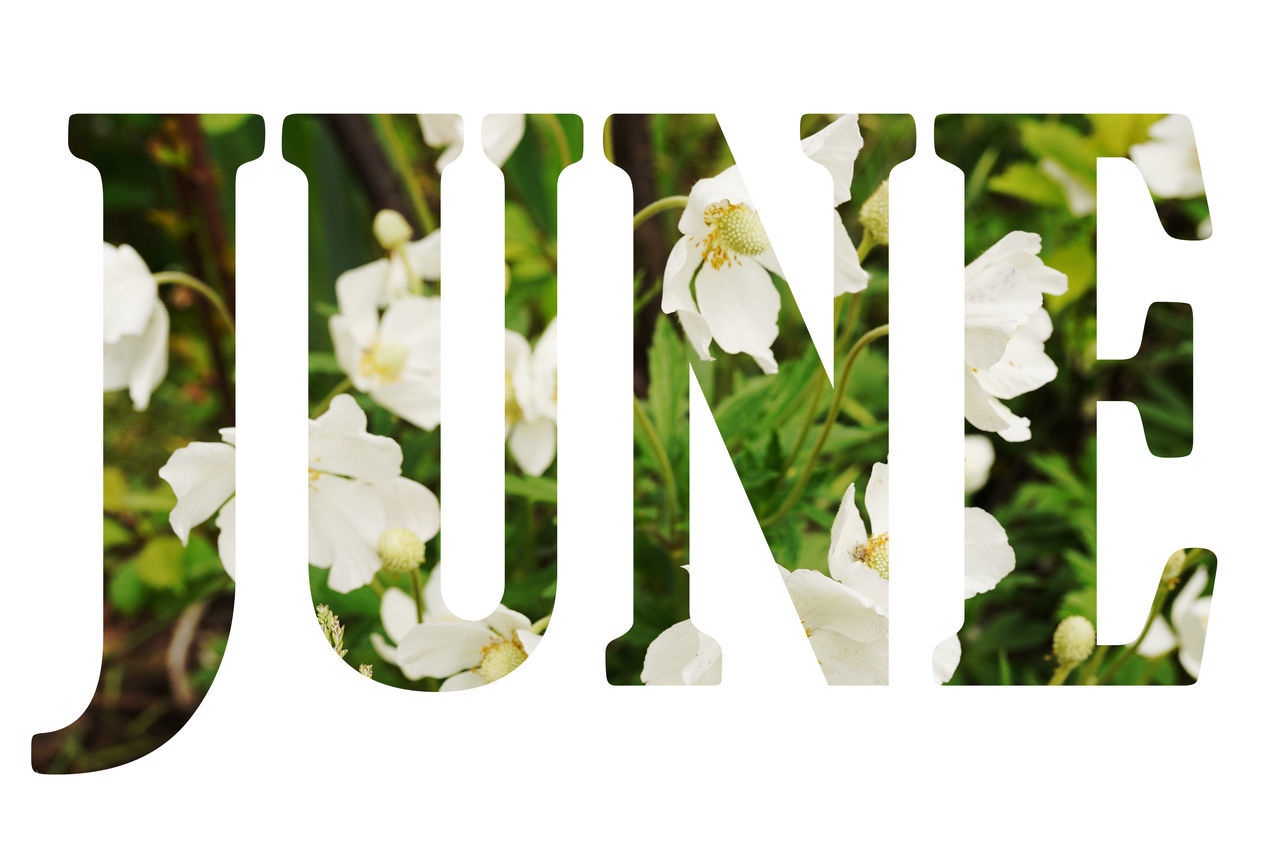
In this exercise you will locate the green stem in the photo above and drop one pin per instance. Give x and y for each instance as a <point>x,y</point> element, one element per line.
<point>1060,675</point>
<point>671,202</point>
<point>415,578</point>
<point>323,405</point>
<point>175,277</point>
<point>807,424</point>
<point>668,473</point>
<point>400,159</point>
<point>608,138</point>
<point>1088,672</point>
<point>556,131</point>
<point>415,283</point>
<point>846,370</point>
<point>865,245</point>
<point>1130,650</point>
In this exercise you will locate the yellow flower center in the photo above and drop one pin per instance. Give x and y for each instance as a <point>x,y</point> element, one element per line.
<point>500,658</point>
<point>875,553</point>
<point>384,361</point>
<point>735,230</point>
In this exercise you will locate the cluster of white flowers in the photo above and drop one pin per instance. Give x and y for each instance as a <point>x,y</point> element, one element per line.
<point>135,326</point>
<point>725,255</point>
<point>1005,327</point>
<point>845,614</point>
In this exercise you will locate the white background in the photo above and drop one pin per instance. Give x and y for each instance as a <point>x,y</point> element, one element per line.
<point>292,748</point>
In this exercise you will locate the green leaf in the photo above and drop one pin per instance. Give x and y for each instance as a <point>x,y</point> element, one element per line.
<point>536,489</point>
<point>668,382</point>
<point>114,488</point>
<point>1063,143</point>
<point>159,564</point>
<point>216,124</point>
<point>114,533</point>
<point>1115,133</point>
<point>126,591</point>
<point>1024,181</point>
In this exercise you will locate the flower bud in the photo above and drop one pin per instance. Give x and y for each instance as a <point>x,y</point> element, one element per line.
<point>1174,567</point>
<point>401,550</point>
<point>391,229</point>
<point>874,215</point>
<point>1073,641</point>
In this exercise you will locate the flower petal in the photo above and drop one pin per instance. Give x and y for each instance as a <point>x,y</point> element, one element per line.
<point>741,305</point>
<point>988,557</point>
<point>825,604</point>
<point>1024,366</point>
<point>500,134</point>
<point>679,653</point>
<point>345,518</point>
<point>845,660</point>
<point>850,277</point>
<point>128,292</point>
<point>946,657</point>
<point>203,477</point>
<point>442,649</point>
<point>836,147</point>
<point>340,444</point>
<point>987,413</point>
<point>226,523</point>
<point>533,445</point>
<point>399,615</point>
<point>979,456</point>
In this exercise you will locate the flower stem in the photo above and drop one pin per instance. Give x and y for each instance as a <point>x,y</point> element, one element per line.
<point>415,578</point>
<point>1130,650</point>
<point>671,202</point>
<point>175,277</point>
<point>323,405</point>
<point>553,127</point>
<point>668,473</point>
<point>846,370</point>
<point>1060,675</point>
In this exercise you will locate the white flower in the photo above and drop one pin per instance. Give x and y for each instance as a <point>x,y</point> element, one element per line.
<point>979,456</point>
<point>203,478</point>
<point>465,654</point>
<point>531,396</point>
<point>395,357</point>
<point>1169,162</point>
<point>849,637</point>
<point>1190,616</point>
<point>356,494</point>
<point>682,655</point>
<point>845,616</point>
<point>1005,331</point>
<point>500,134</point>
<point>135,326</point>
<point>400,274</point>
<point>856,559</point>
<point>988,559</point>
<point>725,254</point>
